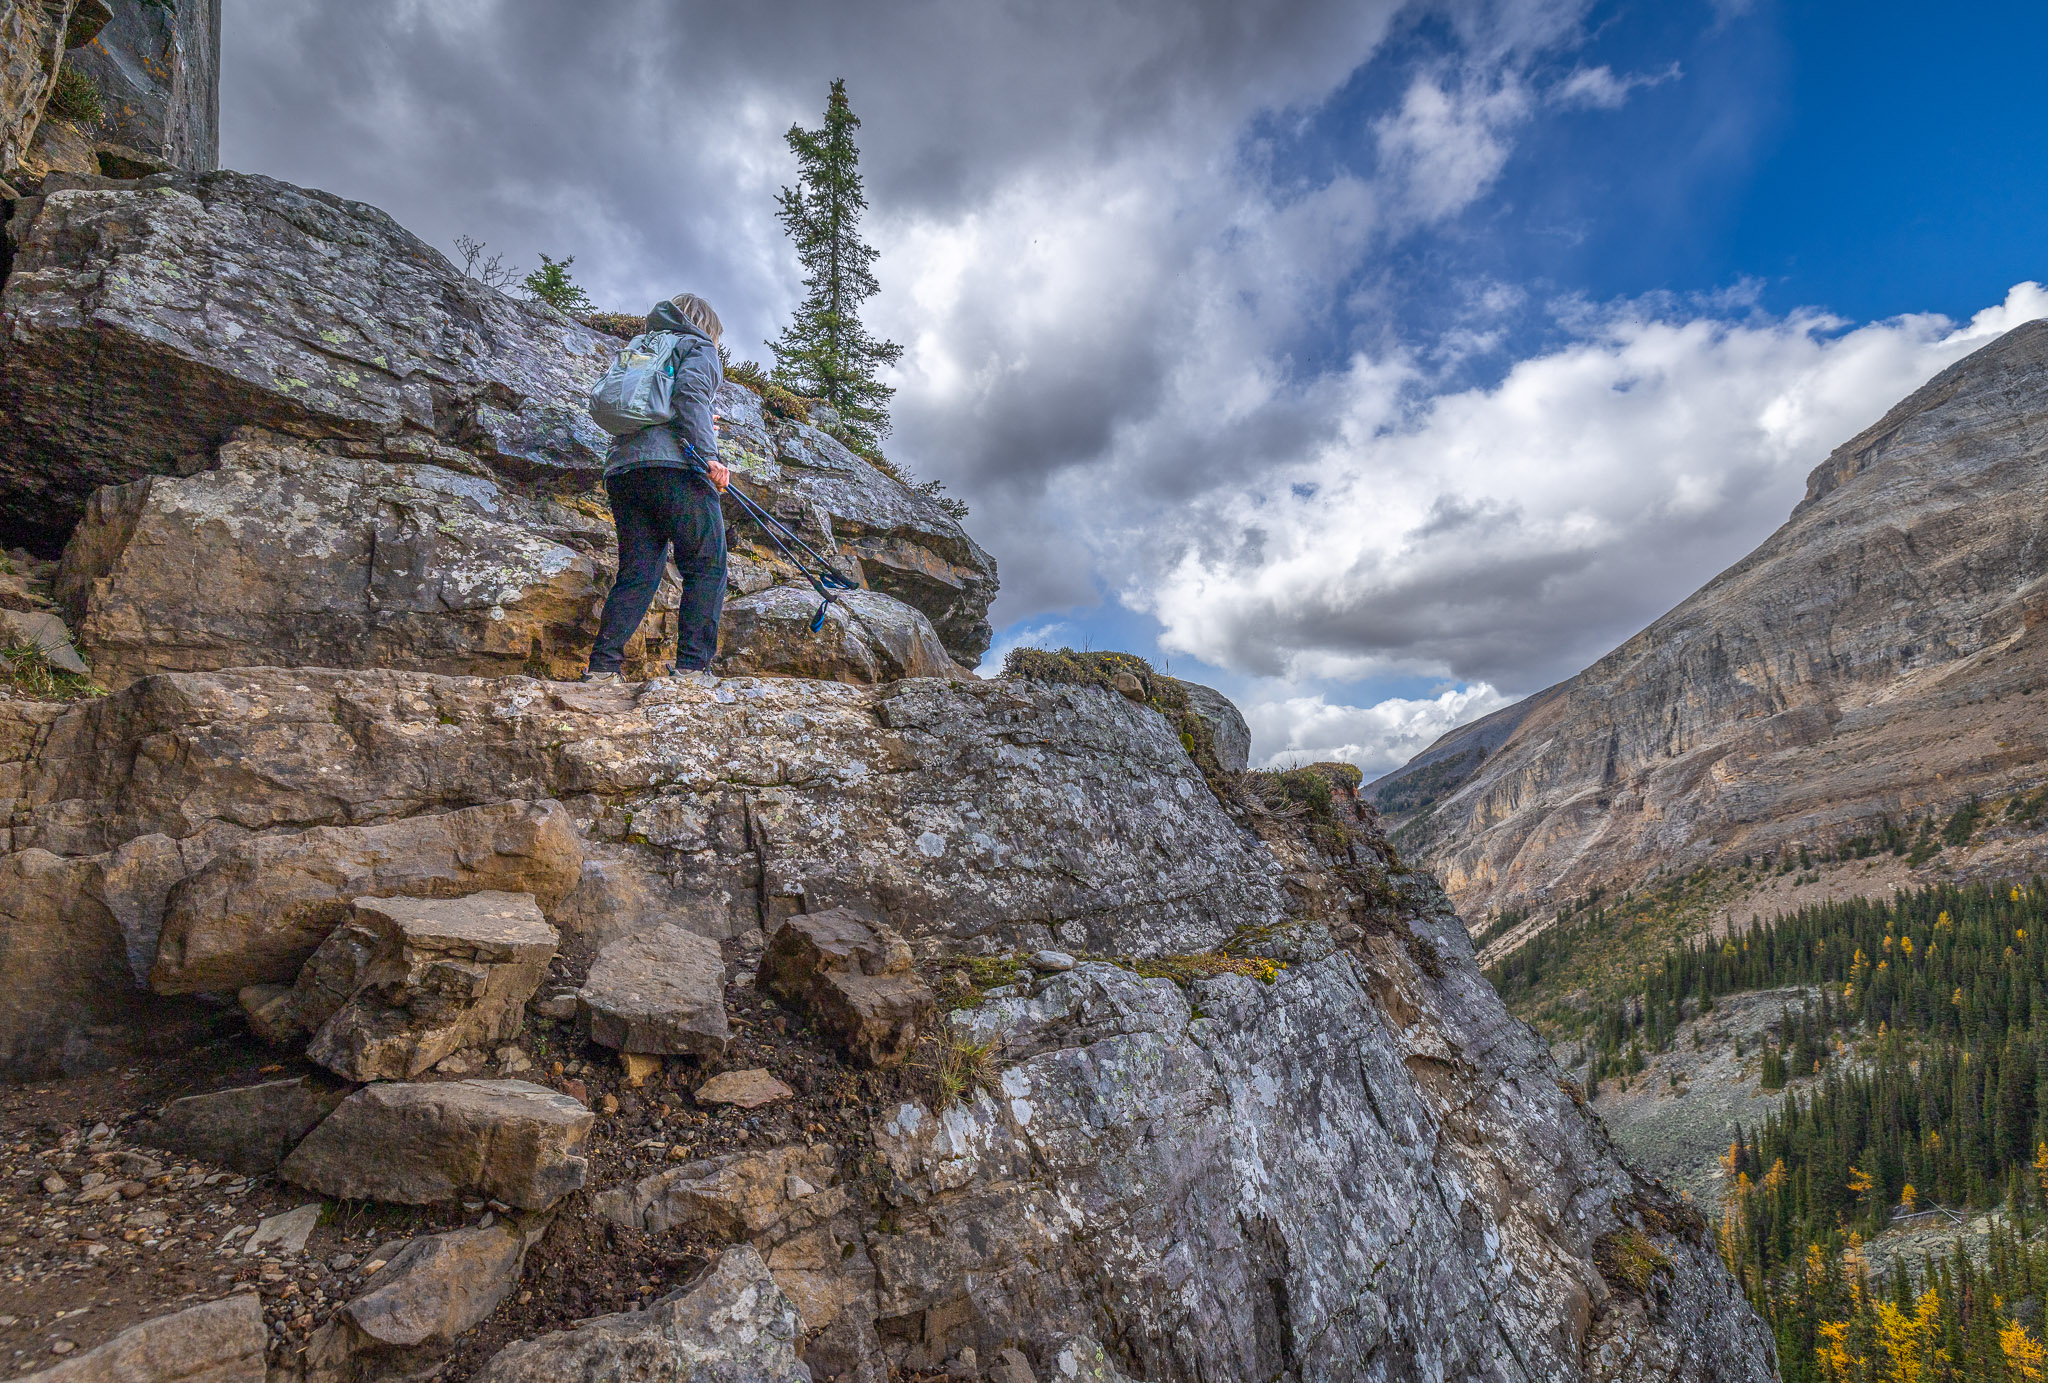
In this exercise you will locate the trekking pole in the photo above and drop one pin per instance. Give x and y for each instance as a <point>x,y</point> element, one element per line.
<point>824,584</point>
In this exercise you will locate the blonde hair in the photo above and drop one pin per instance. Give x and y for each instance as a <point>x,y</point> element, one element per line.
<point>697,310</point>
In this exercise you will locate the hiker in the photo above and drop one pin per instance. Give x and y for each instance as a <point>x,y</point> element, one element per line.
<point>664,481</point>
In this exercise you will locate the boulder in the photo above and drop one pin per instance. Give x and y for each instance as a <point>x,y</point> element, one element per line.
<point>1225,721</point>
<point>283,554</point>
<point>45,634</point>
<point>425,1295</point>
<point>738,1196</point>
<point>249,1128</point>
<point>735,1326</point>
<point>855,981</point>
<point>407,981</point>
<point>509,1140</point>
<point>866,637</point>
<point>272,1012</point>
<point>284,1235</point>
<point>215,1342</point>
<point>142,326</point>
<point>258,911</point>
<point>660,991</point>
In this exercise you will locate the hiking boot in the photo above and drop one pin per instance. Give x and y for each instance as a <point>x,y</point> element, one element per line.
<point>602,679</point>
<point>696,676</point>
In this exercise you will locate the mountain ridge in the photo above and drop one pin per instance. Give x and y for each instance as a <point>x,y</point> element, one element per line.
<point>1839,675</point>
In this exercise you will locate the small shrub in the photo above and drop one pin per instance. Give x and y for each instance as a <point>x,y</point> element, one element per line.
<point>1630,1262</point>
<point>1310,791</point>
<point>746,373</point>
<point>552,285</point>
<point>74,97</point>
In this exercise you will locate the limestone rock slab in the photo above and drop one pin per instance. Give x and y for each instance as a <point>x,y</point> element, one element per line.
<point>158,71</point>
<point>419,1144</point>
<point>866,637</point>
<point>659,991</point>
<point>249,1128</point>
<point>215,1342</point>
<point>736,1326</point>
<point>426,1294</point>
<point>63,956</point>
<point>256,913</point>
<point>1027,812</point>
<point>407,981</point>
<point>144,325</point>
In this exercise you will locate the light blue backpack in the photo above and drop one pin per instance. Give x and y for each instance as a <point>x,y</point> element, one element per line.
<point>638,389</point>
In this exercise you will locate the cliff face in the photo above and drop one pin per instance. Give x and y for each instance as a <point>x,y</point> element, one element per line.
<point>896,1025</point>
<point>157,68</point>
<point>1882,653</point>
<point>154,67</point>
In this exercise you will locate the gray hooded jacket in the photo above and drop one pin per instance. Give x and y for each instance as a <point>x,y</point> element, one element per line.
<point>698,377</point>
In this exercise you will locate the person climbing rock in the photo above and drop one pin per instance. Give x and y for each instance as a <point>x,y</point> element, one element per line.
<point>664,479</point>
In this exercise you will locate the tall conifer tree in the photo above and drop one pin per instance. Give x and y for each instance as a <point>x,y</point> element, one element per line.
<point>826,352</point>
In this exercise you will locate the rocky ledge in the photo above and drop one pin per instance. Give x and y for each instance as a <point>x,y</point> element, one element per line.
<point>1320,1149</point>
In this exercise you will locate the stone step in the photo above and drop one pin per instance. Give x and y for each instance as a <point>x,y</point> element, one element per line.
<point>659,992</point>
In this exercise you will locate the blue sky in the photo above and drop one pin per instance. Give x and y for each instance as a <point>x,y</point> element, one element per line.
<point>1378,361</point>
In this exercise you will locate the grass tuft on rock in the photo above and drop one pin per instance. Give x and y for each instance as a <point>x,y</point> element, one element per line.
<point>963,981</point>
<point>26,671</point>
<point>623,325</point>
<point>1204,965</point>
<point>961,1068</point>
<point>1630,1262</point>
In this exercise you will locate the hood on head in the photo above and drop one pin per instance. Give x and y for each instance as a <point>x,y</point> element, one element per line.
<point>666,316</point>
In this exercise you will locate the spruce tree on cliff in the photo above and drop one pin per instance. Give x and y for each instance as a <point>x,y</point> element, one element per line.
<point>826,352</point>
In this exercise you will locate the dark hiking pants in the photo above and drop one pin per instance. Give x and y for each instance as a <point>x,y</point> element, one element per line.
<point>657,507</point>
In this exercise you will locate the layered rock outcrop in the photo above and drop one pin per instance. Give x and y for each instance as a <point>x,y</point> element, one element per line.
<point>142,325</point>
<point>1878,656</point>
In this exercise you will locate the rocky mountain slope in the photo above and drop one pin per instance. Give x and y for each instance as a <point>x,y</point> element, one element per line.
<point>381,1004</point>
<point>1881,657</point>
